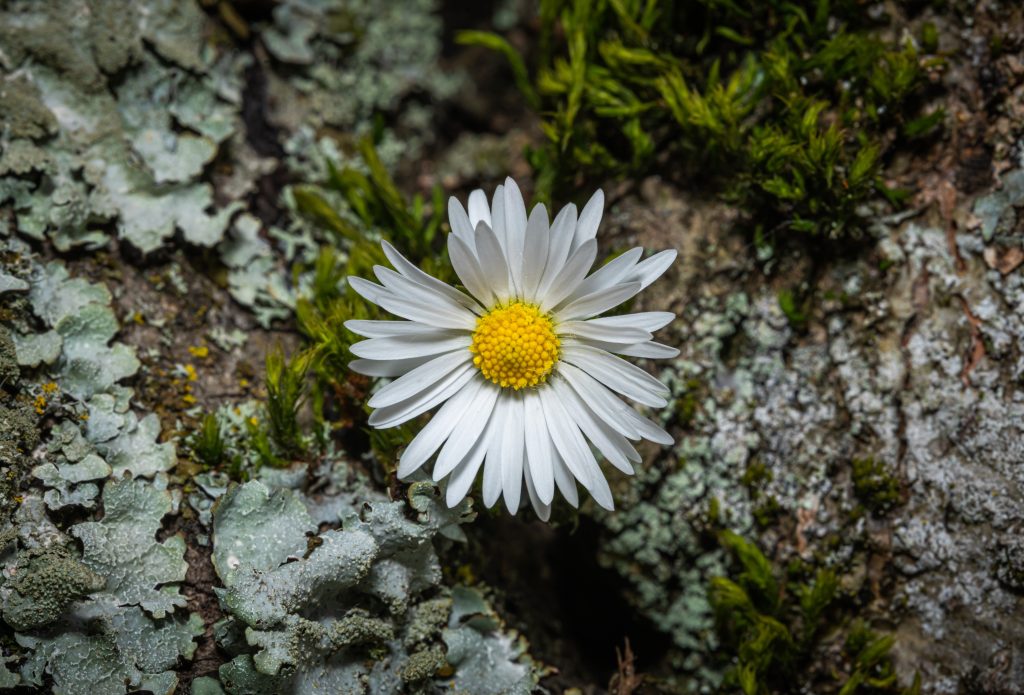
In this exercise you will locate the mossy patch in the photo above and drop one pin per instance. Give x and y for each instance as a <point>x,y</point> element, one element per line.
<point>874,485</point>
<point>789,107</point>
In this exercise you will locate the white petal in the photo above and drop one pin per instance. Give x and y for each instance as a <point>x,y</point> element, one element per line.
<point>406,346</point>
<point>479,211</point>
<point>647,320</point>
<point>590,218</point>
<point>402,287</point>
<point>382,418</point>
<point>616,448</point>
<point>615,271</point>
<point>498,218</point>
<point>594,330</point>
<point>391,329</point>
<point>605,404</point>
<point>387,368</point>
<point>512,454</point>
<point>543,510</point>
<point>617,374</point>
<point>515,233</point>
<point>434,313</point>
<point>461,441</point>
<point>430,438</point>
<point>423,377</point>
<point>535,251</point>
<point>459,221</point>
<point>651,269</point>
<point>573,448</point>
<point>570,276</point>
<point>492,462</point>
<point>647,350</point>
<point>492,261</point>
<point>465,473</point>
<point>467,267</point>
<point>609,408</point>
<point>565,481</point>
<point>369,291</point>
<point>539,449</point>
<point>596,302</point>
<point>648,430</point>
<point>414,274</point>
<point>562,230</point>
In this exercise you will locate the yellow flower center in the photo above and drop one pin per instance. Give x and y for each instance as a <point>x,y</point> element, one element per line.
<point>515,346</point>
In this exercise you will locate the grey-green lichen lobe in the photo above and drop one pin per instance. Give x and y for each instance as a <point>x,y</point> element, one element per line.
<point>351,611</point>
<point>44,583</point>
<point>122,547</point>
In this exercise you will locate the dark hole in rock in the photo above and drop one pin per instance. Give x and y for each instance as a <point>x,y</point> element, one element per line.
<point>574,611</point>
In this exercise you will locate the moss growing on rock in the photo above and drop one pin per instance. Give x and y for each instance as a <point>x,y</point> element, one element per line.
<point>874,485</point>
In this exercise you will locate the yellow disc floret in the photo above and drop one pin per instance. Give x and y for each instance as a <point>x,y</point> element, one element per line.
<point>515,346</point>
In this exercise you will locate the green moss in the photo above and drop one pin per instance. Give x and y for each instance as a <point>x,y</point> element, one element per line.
<point>786,105</point>
<point>777,630</point>
<point>208,443</point>
<point>689,403</point>
<point>766,513</point>
<point>794,308</point>
<point>286,390</point>
<point>874,486</point>
<point>756,475</point>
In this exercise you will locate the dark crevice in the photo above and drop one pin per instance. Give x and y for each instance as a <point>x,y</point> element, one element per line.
<point>573,610</point>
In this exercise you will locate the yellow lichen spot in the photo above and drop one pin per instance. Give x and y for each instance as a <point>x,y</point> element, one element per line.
<point>138,318</point>
<point>18,499</point>
<point>244,383</point>
<point>40,404</point>
<point>515,346</point>
<point>189,399</point>
<point>253,420</point>
<point>50,387</point>
<point>190,372</point>
<point>200,351</point>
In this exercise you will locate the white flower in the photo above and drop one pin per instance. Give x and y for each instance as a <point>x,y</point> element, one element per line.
<point>524,374</point>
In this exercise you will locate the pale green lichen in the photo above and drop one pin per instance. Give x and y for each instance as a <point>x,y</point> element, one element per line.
<point>122,547</point>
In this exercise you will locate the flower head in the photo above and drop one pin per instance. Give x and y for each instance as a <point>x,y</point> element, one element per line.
<point>527,379</point>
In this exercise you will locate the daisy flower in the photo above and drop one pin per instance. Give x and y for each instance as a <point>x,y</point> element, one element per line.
<point>527,379</point>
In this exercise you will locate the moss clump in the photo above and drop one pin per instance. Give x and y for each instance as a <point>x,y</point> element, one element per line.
<point>794,309</point>
<point>874,486</point>
<point>789,106</point>
<point>776,633</point>
<point>689,403</point>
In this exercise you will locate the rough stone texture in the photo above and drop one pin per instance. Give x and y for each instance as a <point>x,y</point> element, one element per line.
<point>909,356</point>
